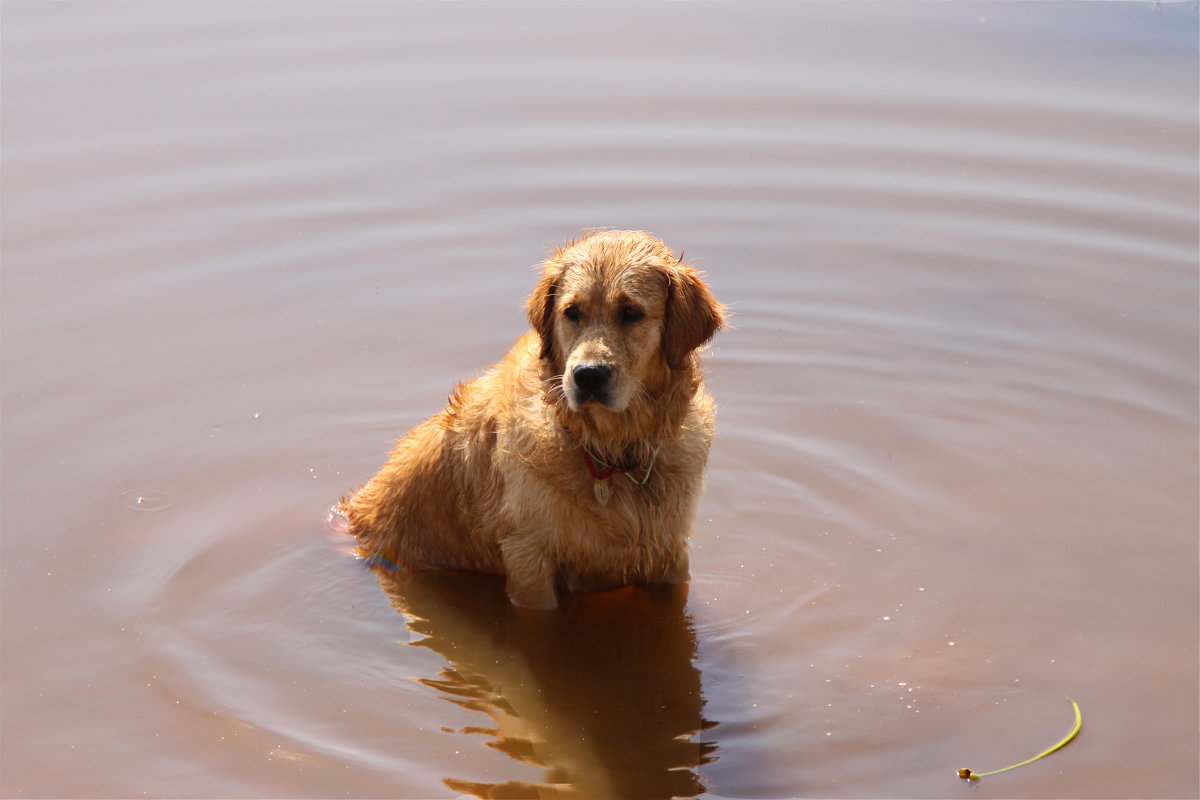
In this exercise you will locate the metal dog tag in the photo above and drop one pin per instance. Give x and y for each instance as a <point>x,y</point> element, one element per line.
<point>601,489</point>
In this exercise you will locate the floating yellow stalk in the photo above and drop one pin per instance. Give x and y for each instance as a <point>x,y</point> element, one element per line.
<point>968,775</point>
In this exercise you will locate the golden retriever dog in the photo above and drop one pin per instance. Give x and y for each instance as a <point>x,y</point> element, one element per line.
<point>576,463</point>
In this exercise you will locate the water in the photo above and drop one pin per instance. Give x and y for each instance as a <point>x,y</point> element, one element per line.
<point>245,246</point>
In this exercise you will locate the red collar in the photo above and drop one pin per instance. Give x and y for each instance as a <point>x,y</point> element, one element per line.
<point>596,474</point>
<point>591,465</point>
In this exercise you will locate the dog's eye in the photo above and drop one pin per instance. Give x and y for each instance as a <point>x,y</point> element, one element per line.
<point>631,313</point>
<point>572,313</point>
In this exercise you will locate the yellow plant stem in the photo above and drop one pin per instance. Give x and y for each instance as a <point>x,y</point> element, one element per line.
<point>968,775</point>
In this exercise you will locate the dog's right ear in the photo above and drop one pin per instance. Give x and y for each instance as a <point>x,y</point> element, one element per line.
<point>540,307</point>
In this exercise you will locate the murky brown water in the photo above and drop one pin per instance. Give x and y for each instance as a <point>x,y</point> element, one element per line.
<point>247,245</point>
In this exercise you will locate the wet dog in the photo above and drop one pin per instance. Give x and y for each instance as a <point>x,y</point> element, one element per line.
<point>577,462</point>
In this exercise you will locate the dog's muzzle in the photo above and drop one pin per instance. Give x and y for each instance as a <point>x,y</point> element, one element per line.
<point>591,381</point>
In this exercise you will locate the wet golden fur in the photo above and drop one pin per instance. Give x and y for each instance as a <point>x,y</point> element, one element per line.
<point>499,481</point>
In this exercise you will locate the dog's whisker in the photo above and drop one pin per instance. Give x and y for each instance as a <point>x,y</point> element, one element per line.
<point>555,391</point>
<point>640,392</point>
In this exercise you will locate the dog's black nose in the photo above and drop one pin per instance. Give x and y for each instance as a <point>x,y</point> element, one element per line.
<point>591,378</point>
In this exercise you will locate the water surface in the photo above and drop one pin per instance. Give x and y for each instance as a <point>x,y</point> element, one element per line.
<point>246,246</point>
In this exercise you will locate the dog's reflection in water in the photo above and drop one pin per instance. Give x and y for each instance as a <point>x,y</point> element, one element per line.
<point>602,694</point>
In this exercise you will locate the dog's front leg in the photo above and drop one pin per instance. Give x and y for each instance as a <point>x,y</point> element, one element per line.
<point>531,574</point>
<point>677,570</point>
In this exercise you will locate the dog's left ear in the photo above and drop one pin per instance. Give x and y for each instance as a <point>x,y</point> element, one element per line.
<point>540,307</point>
<point>693,314</point>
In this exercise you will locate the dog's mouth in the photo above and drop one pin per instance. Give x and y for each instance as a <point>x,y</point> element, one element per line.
<point>578,399</point>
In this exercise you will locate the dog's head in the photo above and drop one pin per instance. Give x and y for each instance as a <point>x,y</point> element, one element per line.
<point>618,314</point>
